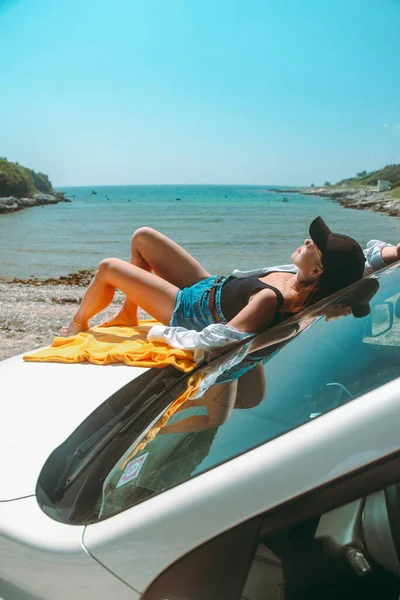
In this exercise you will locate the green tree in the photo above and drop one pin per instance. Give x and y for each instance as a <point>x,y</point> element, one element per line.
<point>327,183</point>
<point>15,180</point>
<point>40,181</point>
<point>361,174</point>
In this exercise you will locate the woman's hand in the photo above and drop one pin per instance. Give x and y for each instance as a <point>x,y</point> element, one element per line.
<point>390,254</point>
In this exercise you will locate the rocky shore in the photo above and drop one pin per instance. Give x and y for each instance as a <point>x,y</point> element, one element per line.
<point>363,198</point>
<point>11,204</point>
<point>32,311</point>
<point>79,279</point>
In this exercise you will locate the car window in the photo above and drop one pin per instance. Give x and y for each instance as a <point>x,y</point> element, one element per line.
<point>312,366</point>
<point>349,552</point>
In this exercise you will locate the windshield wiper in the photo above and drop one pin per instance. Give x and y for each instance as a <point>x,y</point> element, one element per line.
<point>89,449</point>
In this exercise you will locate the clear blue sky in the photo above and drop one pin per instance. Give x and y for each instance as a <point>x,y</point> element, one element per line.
<point>211,91</point>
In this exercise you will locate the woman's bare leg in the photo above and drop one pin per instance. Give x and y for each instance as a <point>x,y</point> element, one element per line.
<point>153,251</point>
<point>155,295</point>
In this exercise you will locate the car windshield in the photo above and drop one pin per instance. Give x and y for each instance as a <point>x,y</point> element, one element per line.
<point>293,373</point>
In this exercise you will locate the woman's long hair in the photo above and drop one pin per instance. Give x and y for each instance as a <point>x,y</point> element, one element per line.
<point>307,293</point>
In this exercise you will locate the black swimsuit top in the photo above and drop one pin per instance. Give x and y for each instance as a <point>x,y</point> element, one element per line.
<point>235,295</point>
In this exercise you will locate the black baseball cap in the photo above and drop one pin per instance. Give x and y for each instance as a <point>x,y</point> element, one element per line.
<point>342,258</point>
<point>359,296</point>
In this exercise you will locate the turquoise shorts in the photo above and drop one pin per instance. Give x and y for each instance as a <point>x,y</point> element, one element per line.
<point>191,304</point>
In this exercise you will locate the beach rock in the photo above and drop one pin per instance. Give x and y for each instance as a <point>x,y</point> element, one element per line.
<point>81,278</point>
<point>12,204</point>
<point>25,202</point>
<point>61,197</point>
<point>45,198</point>
<point>4,208</point>
<point>365,198</point>
<point>9,201</point>
<point>8,204</point>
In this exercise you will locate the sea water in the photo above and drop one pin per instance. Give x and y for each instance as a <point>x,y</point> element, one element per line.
<point>224,227</point>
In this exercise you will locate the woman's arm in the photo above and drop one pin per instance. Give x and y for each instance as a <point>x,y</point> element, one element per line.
<point>378,254</point>
<point>258,314</point>
<point>390,254</point>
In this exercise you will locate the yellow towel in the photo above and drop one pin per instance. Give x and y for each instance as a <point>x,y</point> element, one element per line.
<point>107,345</point>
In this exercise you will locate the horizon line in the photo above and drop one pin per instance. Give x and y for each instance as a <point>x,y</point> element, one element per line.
<point>93,185</point>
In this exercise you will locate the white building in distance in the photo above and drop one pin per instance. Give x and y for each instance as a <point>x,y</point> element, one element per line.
<point>383,185</point>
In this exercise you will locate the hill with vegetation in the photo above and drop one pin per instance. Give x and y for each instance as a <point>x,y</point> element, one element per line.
<point>21,187</point>
<point>360,192</point>
<point>21,182</point>
<point>390,173</point>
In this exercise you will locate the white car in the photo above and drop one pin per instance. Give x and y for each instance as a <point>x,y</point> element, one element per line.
<point>281,483</point>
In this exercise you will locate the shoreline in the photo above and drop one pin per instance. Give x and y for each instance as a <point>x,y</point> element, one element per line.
<point>11,204</point>
<point>364,198</point>
<point>80,278</point>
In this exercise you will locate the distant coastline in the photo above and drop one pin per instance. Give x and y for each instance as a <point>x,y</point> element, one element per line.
<point>362,198</point>
<point>365,198</point>
<point>11,204</point>
<point>21,188</point>
<point>361,192</point>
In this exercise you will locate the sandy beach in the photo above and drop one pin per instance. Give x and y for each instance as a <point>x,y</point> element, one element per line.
<point>32,314</point>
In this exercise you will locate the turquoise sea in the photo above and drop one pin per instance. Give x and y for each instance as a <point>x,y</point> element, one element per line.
<point>224,227</point>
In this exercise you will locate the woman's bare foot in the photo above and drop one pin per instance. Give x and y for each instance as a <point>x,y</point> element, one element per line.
<point>123,318</point>
<point>73,328</point>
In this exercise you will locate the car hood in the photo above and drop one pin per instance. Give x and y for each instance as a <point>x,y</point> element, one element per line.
<point>41,405</point>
